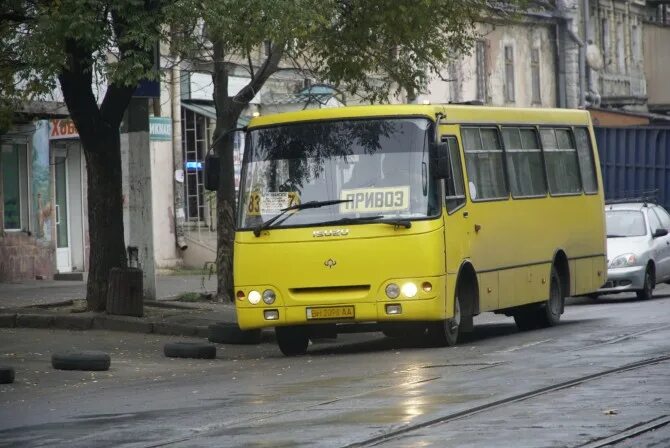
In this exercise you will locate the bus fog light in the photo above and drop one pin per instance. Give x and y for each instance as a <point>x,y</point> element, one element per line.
<point>395,308</point>
<point>409,289</point>
<point>271,314</point>
<point>392,291</point>
<point>426,286</point>
<point>269,296</point>
<point>254,297</point>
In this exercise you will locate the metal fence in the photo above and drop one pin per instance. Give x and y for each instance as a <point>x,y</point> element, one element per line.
<point>634,161</point>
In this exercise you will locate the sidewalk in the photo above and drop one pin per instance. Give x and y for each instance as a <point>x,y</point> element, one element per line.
<point>60,304</point>
<point>43,292</point>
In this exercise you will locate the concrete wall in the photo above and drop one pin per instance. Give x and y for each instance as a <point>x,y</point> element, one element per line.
<point>522,37</point>
<point>165,249</point>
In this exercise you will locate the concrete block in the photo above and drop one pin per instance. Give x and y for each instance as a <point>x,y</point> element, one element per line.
<point>73,322</point>
<point>7,320</point>
<point>34,320</point>
<point>123,323</point>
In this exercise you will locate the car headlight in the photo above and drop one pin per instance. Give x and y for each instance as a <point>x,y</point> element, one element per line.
<point>623,261</point>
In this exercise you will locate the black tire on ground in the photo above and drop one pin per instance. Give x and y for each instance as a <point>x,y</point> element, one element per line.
<point>84,360</point>
<point>292,340</point>
<point>230,333</point>
<point>197,350</point>
<point>647,293</point>
<point>6,375</point>
<point>593,296</point>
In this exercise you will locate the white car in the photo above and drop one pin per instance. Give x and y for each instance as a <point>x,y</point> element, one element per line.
<point>638,248</point>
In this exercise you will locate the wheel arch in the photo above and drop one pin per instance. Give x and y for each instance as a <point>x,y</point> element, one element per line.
<point>560,262</point>
<point>467,278</point>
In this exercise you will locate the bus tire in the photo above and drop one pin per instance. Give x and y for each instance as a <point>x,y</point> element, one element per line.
<point>549,313</point>
<point>292,340</point>
<point>445,333</point>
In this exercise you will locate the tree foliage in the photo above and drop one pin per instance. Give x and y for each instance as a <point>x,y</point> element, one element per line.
<point>79,45</point>
<point>371,48</point>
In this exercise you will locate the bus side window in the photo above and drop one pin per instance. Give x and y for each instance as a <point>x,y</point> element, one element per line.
<point>455,191</point>
<point>586,166</point>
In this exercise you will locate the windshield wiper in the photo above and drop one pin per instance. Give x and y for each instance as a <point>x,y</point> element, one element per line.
<point>406,223</point>
<point>616,236</point>
<point>305,205</point>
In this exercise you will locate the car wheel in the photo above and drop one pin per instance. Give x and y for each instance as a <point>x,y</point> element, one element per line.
<point>647,291</point>
<point>293,340</point>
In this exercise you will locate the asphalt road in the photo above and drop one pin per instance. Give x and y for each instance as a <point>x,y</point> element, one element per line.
<point>601,375</point>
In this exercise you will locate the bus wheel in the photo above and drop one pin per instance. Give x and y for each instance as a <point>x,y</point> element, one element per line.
<point>540,315</point>
<point>445,333</point>
<point>292,341</point>
<point>550,312</point>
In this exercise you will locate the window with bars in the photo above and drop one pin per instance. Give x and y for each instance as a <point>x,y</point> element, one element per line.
<point>535,75</point>
<point>509,74</point>
<point>194,143</point>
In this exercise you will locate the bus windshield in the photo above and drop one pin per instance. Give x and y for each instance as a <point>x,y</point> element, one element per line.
<point>367,168</point>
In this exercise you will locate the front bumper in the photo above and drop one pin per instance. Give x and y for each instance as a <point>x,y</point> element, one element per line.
<point>624,279</point>
<point>411,310</point>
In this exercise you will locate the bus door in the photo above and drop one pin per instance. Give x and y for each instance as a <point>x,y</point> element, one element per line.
<point>461,227</point>
<point>456,223</point>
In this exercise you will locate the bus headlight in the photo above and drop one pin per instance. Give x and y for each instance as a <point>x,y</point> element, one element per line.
<point>392,291</point>
<point>269,296</point>
<point>409,289</point>
<point>254,297</point>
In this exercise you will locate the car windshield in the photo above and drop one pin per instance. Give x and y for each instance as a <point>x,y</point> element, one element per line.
<point>624,223</point>
<point>372,168</point>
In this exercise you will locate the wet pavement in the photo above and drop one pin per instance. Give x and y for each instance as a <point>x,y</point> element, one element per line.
<point>360,390</point>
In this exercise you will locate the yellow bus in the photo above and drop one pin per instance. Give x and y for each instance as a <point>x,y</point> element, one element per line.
<point>413,219</point>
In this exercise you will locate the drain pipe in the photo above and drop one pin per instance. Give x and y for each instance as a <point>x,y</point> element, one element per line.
<point>177,157</point>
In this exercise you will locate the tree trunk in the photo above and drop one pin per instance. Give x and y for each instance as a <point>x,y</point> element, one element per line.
<point>124,294</point>
<point>225,207</point>
<point>105,216</point>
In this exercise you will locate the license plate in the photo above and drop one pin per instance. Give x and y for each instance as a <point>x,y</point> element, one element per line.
<point>331,312</point>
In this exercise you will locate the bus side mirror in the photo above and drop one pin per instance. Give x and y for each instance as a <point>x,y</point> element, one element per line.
<point>211,171</point>
<point>441,168</point>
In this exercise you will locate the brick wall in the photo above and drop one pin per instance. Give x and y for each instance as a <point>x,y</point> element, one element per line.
<point>22,257</point>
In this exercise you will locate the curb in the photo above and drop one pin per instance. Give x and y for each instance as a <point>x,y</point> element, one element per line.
<point>101,322</point>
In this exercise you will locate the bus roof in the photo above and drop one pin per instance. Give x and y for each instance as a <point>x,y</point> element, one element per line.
<point>454,114</point>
